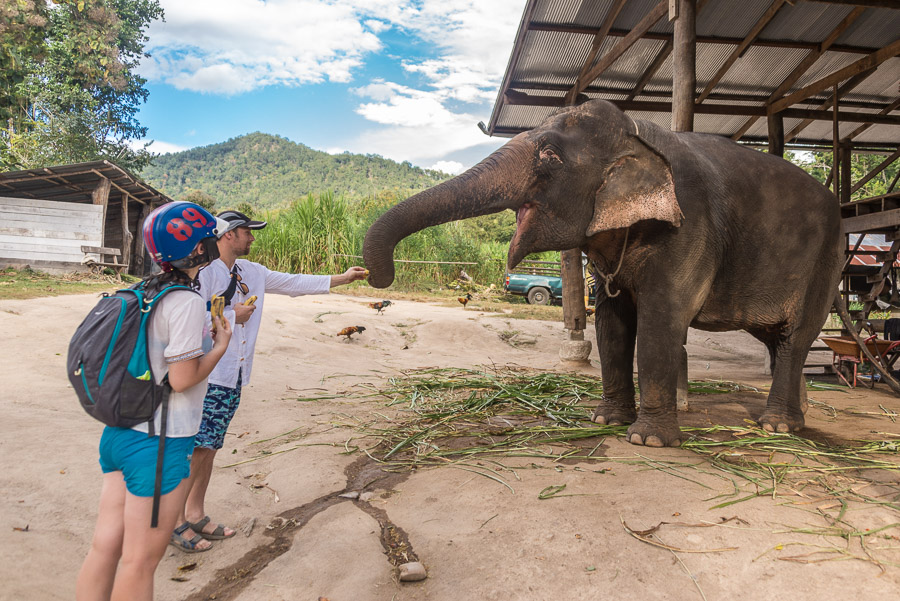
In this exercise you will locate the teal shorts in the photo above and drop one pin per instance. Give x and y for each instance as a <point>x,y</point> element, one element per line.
<point>134,454</point>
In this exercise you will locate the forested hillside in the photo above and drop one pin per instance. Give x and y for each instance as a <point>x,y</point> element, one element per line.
<point>269,171</point>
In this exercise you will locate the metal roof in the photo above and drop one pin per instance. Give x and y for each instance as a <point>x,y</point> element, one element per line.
<point>555,38</point>
<point>75,183</point>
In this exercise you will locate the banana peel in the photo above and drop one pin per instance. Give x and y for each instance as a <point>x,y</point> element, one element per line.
<point>250,300</point>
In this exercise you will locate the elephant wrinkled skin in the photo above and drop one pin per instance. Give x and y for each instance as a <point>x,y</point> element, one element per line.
<point>710,235</point>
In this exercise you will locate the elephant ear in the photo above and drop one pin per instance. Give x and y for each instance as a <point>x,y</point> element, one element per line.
<point>639,186</point>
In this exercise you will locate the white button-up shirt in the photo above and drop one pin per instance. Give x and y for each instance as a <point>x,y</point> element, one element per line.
<point>215,278</point>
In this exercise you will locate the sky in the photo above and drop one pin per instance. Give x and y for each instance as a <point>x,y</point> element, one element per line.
<point>405,79</point>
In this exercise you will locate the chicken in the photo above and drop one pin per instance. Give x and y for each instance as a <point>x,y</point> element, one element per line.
<point>380,305</point>
<point>350,331</point>
<point>465,299</point>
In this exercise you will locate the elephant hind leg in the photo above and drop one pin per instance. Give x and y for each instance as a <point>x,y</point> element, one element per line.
<point>787,402</point>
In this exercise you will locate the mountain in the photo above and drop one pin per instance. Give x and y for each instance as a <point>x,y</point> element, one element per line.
<point>268,171</point>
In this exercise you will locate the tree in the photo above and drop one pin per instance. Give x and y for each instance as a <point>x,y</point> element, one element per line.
<point>71,93</point>
<point>818,164</point>
<point>201,198</point>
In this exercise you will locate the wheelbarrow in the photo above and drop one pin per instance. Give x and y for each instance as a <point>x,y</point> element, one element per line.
<point>848,357</point>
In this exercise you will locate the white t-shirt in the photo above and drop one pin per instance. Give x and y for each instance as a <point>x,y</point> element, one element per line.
<point>176,333</point>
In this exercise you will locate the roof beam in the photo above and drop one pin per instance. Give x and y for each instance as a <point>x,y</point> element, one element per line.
<point>872,3</point>
<point>650,35</point>
<point>551,87</point>
<point>892,106</point>
<point>648,74</point>
<point>804,65</point>
<point>619,49</point>
<point>514,98</point>
<point>844,89</point>
<point>864,64</point>
<point>739,51</point>
<point>607,24</point>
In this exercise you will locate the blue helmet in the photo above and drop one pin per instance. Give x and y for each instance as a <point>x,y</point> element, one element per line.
<point>173,230</point>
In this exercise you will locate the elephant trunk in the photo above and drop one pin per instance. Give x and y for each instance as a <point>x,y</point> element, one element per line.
<point>491,186</point>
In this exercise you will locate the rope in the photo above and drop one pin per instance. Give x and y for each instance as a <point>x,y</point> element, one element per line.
<point>609,277</point>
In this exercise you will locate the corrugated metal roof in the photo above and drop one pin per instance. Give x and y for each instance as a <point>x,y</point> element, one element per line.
<point>554,41</point>
<point>75,183</point>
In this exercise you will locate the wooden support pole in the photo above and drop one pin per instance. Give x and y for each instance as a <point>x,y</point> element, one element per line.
<point>127,236</point>
<point>684,57</point>
<point>100,196</point>
<point>139,250</point>
<point>846,157</point>
<point>776,135</point>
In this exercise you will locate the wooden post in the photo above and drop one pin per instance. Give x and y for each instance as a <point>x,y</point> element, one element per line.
<point>139,251</point>
<point>575,350</point>
<point>776,135</point>
<point>846,179</point>
<point>100,196</point>
<point>127,236</point>
<point>684,85</point>
<point>684,58</point>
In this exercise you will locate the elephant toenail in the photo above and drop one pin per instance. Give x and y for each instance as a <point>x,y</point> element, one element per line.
<point>636,439</point>
<point>768,427</point>
<point>653,441</point>
<point>615,422</point>
<point>676,443</point>
<point>599,419</point>
<point>784,428</point>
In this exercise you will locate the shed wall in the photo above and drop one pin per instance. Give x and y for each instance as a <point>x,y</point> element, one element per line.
<point>44,233</point>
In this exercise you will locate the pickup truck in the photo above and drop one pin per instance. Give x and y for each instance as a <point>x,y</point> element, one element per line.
<point>540,283</point>
<point>538,289</point>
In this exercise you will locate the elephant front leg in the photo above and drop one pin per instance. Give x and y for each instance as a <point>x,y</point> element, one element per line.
<point>616,326</point>
<point>660,352</point>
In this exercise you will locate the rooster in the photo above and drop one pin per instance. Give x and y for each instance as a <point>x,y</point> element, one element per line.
<point>350,331</point>
<point>465,299</point>
<point>380,305</point>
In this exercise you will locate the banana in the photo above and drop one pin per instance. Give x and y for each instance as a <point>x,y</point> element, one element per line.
<point>217,309</point>
<point>250,300</point>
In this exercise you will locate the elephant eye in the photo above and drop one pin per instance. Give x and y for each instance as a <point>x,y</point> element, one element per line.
<point>549,159</point>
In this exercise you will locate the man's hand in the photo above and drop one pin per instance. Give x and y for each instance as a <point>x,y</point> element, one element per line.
<point>243,312</point>
<point>351,275</point>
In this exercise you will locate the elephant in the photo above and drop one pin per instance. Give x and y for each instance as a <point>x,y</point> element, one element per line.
<point>686,230</point>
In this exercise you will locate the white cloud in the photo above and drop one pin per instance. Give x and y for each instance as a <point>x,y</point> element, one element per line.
<point>156,147</point>
<point>452,167</point>
<point>234,46</point>
<point>252,44</point>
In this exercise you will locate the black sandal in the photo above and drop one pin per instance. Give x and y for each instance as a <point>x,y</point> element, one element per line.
<point>188,546</point>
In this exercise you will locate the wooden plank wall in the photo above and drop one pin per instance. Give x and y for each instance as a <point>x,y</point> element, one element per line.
<point>44,231</point>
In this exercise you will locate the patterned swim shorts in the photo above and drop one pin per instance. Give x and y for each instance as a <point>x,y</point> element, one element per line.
<point>218,410</point>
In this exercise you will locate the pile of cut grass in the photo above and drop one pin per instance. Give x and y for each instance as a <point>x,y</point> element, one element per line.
<point>476,420</point>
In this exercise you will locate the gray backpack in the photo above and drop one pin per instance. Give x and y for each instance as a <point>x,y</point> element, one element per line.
<point>109,367</point>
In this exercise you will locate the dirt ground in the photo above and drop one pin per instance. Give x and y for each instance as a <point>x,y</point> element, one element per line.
<point>478,538</point>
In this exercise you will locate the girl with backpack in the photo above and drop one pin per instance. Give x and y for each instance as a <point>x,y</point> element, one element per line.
<point>125,551</point>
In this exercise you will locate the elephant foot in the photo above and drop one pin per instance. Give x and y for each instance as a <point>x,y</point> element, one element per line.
<point>614,414</point>
<point>774,421</point>
<point>655,433</point>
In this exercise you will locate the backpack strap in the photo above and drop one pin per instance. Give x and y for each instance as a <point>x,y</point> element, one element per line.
<point>160,453</point>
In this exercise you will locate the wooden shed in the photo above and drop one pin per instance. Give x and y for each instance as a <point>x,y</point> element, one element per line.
<point>48,216</point>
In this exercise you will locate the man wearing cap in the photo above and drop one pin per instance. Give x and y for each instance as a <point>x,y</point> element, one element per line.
<point>237,280</point>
